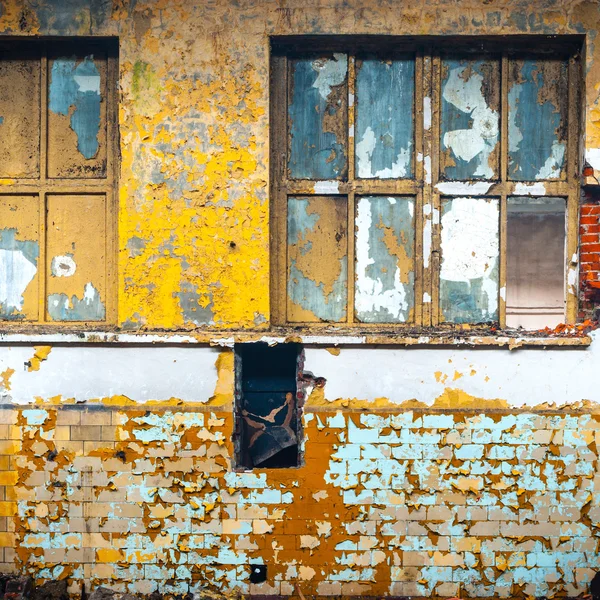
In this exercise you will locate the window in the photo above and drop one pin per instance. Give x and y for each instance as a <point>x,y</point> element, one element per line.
<point>424,183</point>
<point>58,171</point>
<point>268,425</point>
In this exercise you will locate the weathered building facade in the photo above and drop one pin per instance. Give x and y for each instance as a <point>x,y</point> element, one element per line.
<point>359,179</point>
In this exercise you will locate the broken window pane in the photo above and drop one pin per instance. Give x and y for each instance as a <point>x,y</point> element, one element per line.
<point>537,119</point>
<point>470,119</point>
<point>267,411</point>
<point>318,117</point>
<point>470,258</point>
<point>385,92</point>
<point>385,238</point>
<point>317,287</point>
<point>535,256</point>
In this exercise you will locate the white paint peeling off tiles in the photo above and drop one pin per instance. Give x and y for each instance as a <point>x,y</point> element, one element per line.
<point>91,373</point>
<point>18,272</point>
<point>592,156</point>
<point>427,113</point>
<point>223,342</point>
<point>530,189</point>
<point>272,341</point>
<point>327,187</point>
<point>426,242</point>
<point>537,375</point>
<point>458,188</point>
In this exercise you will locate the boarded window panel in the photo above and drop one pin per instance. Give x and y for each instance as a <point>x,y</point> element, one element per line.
<point>470,120</point>
<point>19,113</point>
<point>385,91</point>
<point>535,256</point>
<point>537,119</point>
<point>76,260</point>
<point>317,286</point>
<point>385,239</point>
<point>318,118</point>
<point>77,115</point>
<point>469,266</point>
<point>19,258</point>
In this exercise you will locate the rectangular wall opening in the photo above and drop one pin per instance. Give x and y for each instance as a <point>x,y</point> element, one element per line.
<point>268,427</point>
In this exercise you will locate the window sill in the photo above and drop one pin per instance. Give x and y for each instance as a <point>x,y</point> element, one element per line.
<point>326,337</point>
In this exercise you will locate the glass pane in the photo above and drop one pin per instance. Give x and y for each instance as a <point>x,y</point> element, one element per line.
<point>385,239</point>
<point>318,118</point>
<point>19,255</point>
<point>77,115</point>
<point>19,113</point>
<point>470,120</point>
<point>317,287</point>
<point>385,92</point>
<point>470,258</point>
<point>537,119</point>
<point>76,258</point>
<point>535,257</point>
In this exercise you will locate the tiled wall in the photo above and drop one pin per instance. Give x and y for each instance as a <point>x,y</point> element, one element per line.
<point>392,503</point>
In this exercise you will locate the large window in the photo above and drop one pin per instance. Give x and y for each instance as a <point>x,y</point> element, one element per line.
<point>57,173</point>
<point>424,184</point>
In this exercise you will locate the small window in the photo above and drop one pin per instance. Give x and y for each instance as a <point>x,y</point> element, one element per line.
<point>268,427</point>
<point>58,123</point>
<point>396,170</point>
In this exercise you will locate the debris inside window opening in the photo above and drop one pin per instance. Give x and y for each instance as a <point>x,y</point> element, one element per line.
<point>268,429</point>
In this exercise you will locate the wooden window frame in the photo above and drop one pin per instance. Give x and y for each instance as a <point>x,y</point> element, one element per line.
<point>44,186</point>
<point>429,54</point>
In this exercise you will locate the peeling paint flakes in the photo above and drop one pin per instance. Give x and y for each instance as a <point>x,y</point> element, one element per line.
<point>384,291</point>
<point>385,101</point>
<point>470,254</point>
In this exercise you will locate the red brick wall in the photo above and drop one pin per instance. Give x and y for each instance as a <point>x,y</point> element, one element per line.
<point>589,254</point>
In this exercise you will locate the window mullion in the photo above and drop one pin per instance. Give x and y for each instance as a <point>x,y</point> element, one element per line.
<point>504,180</point>
<point>350,198</point>
<point>430,118</point>
<point>43,181</point>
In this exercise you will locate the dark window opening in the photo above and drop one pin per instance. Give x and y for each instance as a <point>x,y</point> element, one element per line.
<point>268,428</point>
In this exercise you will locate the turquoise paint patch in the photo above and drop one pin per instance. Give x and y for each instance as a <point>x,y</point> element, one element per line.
<point>88,308</point>
<point>534,128</point>
<point>314,152</point>
<point>78,86</point>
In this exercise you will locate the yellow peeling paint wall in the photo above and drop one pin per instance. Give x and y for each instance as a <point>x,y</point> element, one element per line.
<point>110,475</point>
<point>193,189</point>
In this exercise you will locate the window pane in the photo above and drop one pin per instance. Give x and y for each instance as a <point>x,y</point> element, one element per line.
<point>535,256</point>
<point>77,115</point>
<point>318,118</point>
<point>537,119</point>
<point>317,285</point>
<point>385,239</point>
<point>469,267</point>
<point>19,113</point>
<point>385,92</point>
<point>76,258</point>
<point>19,256</point>
<point>470,121</point>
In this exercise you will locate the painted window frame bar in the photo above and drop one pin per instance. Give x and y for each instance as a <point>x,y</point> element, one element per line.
<point>44,186</point>
<point>428,58</point>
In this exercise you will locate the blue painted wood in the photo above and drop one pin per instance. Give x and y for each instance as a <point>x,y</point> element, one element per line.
<point>470,119</point>
<point>385,238</point>
<point>385,93</point>
<point>537,119</point>
<point>318,118</point>
<point>317,286</point>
